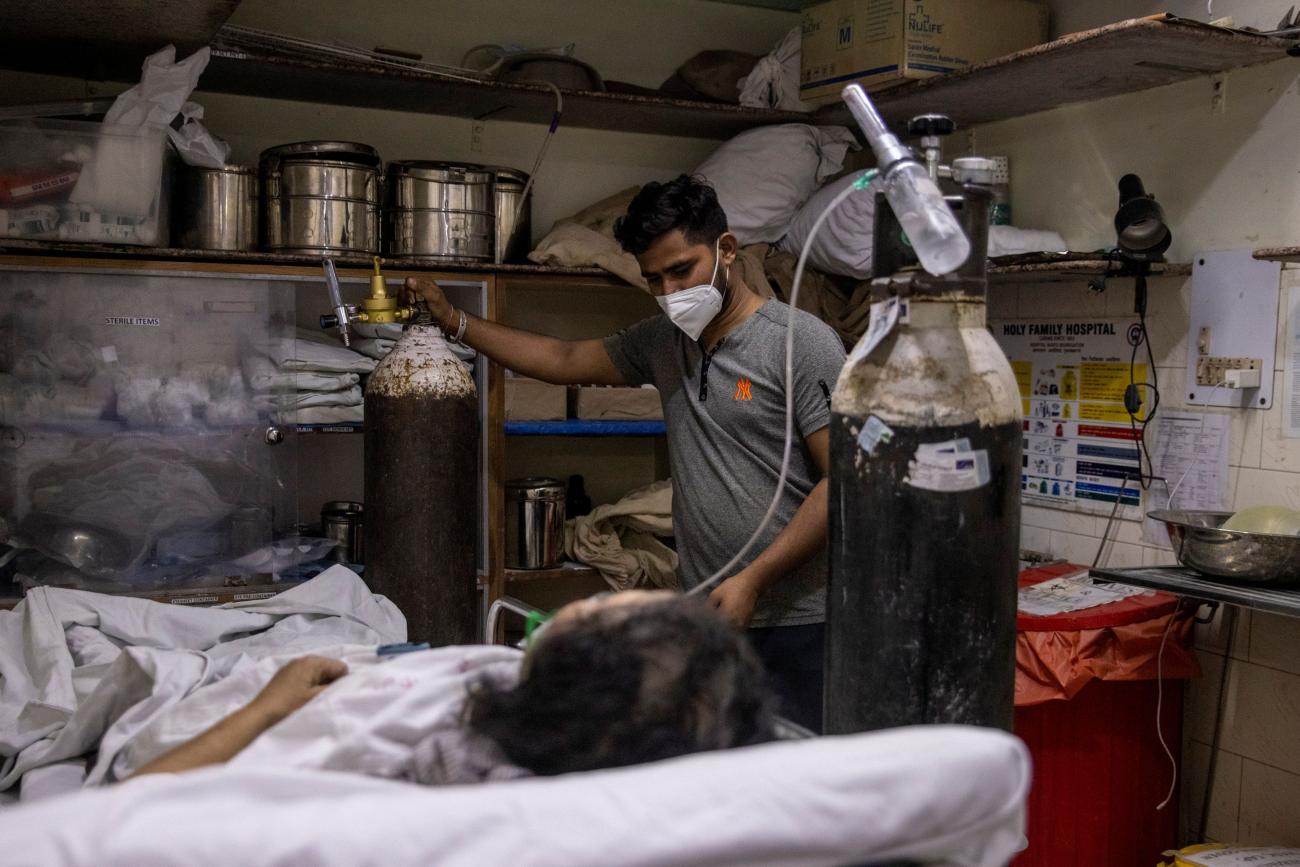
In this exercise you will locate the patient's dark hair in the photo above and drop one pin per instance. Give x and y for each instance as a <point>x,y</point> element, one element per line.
<point>686,203</point>
<point>629,684</point>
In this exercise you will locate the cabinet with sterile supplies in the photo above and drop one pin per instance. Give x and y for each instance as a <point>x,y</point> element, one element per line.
<point>163,427</point>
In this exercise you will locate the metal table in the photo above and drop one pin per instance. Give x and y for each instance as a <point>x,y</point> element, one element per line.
<point>1186,582</point>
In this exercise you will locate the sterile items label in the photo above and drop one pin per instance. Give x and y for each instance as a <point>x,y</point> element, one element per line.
<point>884,316</point>
<point>948,467</point>
<point>1073,592</point>
<point>1241,856</point>
<point>148,321</point>
<point>874,432</point>
<point>1081,446</point>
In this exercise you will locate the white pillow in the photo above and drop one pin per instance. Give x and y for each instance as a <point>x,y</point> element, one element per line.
<point>843,244</point>
<point>764,175</point>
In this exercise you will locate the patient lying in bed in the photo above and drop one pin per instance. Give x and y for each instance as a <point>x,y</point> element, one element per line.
<point>635,677</point>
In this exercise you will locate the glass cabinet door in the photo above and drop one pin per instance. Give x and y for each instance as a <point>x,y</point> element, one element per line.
<point>141,437</point>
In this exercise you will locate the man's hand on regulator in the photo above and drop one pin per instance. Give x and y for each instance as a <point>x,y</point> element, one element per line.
<point>426,289</point>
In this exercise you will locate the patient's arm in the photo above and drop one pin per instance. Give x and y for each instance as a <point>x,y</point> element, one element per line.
<point>294,685</point>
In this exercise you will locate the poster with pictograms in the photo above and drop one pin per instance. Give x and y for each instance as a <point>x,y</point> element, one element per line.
<point>1081,444</point>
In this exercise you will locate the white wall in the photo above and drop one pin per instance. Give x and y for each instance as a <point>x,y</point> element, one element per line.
<point>1226,181</point>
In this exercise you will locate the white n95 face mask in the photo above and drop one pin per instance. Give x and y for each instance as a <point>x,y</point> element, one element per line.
<point>693,309</point>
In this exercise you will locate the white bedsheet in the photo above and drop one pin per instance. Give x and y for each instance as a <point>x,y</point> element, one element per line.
<point>935,795</point>
<point>80,670</point>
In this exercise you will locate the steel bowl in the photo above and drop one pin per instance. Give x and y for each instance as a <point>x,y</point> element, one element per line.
<point>1247,558</point>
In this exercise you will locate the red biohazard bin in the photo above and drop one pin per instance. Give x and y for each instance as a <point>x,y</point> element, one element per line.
<point>1086,697</point>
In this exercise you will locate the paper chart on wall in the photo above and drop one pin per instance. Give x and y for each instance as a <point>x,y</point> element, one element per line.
<point>1291,394</point>
<point>1191,455</point>
<point>1080,450</point>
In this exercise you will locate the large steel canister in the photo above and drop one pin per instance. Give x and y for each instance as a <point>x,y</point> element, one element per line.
<point>440,210</point>
<point>215,209</point>
<point>534,522</point>
<point>344,521</point>
<point>926,442</point>
<point>321,198</point>
<point>421,489</point>
<point>513,236</point>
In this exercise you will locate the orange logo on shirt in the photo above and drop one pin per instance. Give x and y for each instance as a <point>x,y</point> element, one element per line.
<point>743,389</point>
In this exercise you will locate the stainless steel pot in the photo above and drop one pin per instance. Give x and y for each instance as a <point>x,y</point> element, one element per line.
<point>1232,555</point>
<point>534,523</point>
<point>344,521</point>
<point>215,209</point>
<point>513,237</point>
<point>440,210</point>
<point>321,198</point>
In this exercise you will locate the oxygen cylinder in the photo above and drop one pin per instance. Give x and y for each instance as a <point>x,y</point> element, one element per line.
<point>421,443</point>
<point>926,442</point>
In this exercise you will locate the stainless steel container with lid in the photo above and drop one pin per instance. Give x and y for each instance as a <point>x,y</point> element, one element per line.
<point>215,209</point>
<point>534,523</point>
<point>343,520</point>
<point>321,197</point>
<point>440,210</point>
<point>513,237</point>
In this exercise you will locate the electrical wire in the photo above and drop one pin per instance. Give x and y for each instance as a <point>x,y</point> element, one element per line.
<point>1139,423</point>
<point>1160,701</point>
<point>724,572</point>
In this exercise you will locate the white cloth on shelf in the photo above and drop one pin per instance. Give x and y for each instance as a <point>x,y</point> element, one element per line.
<point>262,375</point>
<point>313,352</point>
<point>307,399</point>
<point>83,671</point>
<point>843,244</point>
<point>1010,241</point>
<point>373,347</point>
<point>622,539</point>
<point>325,415</point>
<point>763,176</point>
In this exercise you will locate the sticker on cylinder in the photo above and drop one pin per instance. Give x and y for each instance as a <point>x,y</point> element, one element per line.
<point>948,467</point>
<point>874,432</point>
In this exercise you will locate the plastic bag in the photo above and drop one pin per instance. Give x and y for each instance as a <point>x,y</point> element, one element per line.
<point>196,145</point>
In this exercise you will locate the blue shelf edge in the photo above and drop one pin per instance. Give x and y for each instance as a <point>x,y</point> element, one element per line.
<point>581,428</point>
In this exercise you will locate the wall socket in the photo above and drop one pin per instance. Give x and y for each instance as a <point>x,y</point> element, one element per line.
<point>476,133</point>
<point>1213,369</point>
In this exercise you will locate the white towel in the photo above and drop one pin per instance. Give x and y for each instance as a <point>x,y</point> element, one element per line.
<point>324,415</point>
<point>262,376</point>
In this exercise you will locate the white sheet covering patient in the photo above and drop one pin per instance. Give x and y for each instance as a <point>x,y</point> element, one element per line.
<point>633,678</point>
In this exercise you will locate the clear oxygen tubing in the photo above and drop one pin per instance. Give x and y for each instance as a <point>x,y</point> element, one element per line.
<point>859,185</point>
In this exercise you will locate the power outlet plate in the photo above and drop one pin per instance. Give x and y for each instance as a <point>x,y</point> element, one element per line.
<point>1233,323</point>
<point>1212,370</point>
<point>477,132</point>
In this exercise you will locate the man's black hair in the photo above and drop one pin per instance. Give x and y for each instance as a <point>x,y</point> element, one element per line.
<point>686,203</point>
<point>626,685</point>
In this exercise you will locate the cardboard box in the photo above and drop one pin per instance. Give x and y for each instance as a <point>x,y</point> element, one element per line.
<point>531,400</point>
<point>882,43</point>
<point>606,403</point>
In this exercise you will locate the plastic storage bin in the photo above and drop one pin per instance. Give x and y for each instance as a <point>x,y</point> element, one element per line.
<point>75,181</point>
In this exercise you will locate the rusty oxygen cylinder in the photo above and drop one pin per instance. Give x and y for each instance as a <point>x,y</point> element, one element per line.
<point>421,442</point>
<point>926,441</point>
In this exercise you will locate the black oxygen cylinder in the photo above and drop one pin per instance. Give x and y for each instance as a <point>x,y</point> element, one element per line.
<point>421,444</point>
<point>926,443</point>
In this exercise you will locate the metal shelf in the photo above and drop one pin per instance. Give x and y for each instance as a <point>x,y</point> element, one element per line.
<point>1185,582</point>
<point>566,570</point>
<point>1126,57</point>
<point>1278,254</point>
<point>1057,267</point>
<point>582,428</point>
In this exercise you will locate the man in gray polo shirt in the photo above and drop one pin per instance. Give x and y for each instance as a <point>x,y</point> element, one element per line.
<point>717,357</point>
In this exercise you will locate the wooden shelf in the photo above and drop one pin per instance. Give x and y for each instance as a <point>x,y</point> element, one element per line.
<point>1125,57</point>
<point>122,28</point>
<point>1060,267</point>
<point>1278,254</point>
<point>576,427</point>
<point>568,570</point>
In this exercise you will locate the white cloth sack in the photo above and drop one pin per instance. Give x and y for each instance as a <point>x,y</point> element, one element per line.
<point>1010,241</point>
<point>774,81</point>
<point>763,176</point>
<point>261,375</point>
<point>325,415</point>
<point>307,399</point>
<point>843,244</point>
<point>939,795</point>
<point>621,539</point>
<point>314,352</point>
<point>82,670</point>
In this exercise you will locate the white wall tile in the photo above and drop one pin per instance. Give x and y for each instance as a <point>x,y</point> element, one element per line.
<point>1267,488</point>
<point>1212,637</point>
<point>1168,314</point>
<point>1035,539</point>
<point>1225,797</point>
<point>1201,696</point>
<point>1275,642</point>
<point>1073,547</point>
<point>1119,554</point>
<point>1261,721</point>
<point>1080,523</point>
<point>1269,812</point>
